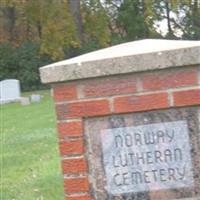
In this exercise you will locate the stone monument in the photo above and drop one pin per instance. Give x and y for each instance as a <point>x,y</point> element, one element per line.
<point>25,101</point>
<point>129,121</point>
<point>35,98</point>
<point>9,90</point>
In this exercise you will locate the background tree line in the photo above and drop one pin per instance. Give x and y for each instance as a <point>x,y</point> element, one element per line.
<point>37,32</point>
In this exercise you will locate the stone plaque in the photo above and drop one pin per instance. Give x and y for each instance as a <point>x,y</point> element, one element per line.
<point>145,156</point>
<point>148,157</point>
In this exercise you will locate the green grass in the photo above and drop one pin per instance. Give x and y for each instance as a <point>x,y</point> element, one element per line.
<point>30,166</point>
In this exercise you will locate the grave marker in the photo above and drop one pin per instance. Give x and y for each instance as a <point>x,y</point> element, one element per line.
<point>9,90</point>
<point>35,98</point>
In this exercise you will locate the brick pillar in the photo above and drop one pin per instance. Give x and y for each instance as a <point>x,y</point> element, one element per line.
<point>77,99</point>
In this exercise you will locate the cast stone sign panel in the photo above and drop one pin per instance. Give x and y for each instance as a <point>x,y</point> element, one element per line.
<point>147,157</point>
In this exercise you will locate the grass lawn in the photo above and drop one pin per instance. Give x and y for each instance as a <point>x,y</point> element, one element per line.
<point>30,163</point>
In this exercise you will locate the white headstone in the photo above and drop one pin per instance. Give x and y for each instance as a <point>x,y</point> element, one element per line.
<point>9,90</point>
<point>35,98</point>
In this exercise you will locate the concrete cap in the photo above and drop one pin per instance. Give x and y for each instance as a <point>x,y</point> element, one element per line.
<point>137,56</point>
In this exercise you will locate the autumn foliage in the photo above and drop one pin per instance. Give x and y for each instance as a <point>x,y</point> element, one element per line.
<point>36,32</point>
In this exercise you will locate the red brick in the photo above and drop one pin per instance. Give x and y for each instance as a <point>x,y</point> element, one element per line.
<point>74,165</point>
<point>169,80</point>
<point>75,185</point>
<point>140,103</point>
<point>187,98</point>
<point>109,87</point>
<point>72,147</point>
<point>64,92</point>
<point>83,109</point>
<point>74,128</point>
<point>85,197</point>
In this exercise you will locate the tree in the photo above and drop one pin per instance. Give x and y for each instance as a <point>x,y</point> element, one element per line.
<point>55,26</point>
<point>9,17</point>
<point>64,28</point>
<point>135,18</point>
<point>191,21</point>
<point>95,21</point>
<point>75,9</point>
<point>171,12</point>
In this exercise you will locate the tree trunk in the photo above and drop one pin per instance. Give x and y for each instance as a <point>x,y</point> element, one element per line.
<point>39,28</point>
<point>76,13</point>
<point>11,14</point>
<point>28,30</point>
<point>170,32</point>
<point>195,6</point>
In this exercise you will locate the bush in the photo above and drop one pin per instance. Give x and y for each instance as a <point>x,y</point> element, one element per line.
<point>22,63</point>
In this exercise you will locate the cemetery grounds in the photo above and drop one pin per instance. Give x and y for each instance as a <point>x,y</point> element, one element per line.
<point>30,166</point>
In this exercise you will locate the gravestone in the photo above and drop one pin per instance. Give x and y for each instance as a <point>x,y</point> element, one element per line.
<point>35,98</point>
<point>24,101</point>
<point>9,90</point>
<point>129,121</point>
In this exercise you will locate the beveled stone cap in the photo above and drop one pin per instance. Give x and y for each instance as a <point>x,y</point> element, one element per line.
<point>137,56</point>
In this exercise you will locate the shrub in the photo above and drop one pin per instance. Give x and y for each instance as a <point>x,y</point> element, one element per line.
<point>22,63</point>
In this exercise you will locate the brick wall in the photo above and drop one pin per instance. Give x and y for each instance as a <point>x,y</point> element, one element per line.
<point>113,95</point>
